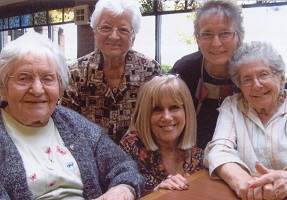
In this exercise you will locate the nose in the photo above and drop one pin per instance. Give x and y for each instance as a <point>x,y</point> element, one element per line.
<point>256,83</point>
<point>36,87</point>
<point>166,115</point>
<point>216,41</point>
<point>114,33</point>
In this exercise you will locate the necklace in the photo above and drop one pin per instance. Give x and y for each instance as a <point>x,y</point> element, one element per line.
<point>220,81</point>
<point>212,72</point>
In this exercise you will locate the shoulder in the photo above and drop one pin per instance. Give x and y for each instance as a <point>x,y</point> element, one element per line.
<point>188,62</point>
<point>141,58</point>
<point>130,138</point>
<point>69,120</point>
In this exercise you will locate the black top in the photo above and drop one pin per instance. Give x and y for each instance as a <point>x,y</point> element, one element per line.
<point>190,67</point>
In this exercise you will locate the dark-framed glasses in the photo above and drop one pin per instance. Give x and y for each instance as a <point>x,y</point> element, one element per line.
<point>25,79</point>
<point>223,36</point>
<point>262,77</point>
<point>107,30</point>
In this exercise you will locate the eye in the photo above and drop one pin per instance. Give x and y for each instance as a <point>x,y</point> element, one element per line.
<point>105,28</point>
<point>247,80</point>
<point>207,34</point>
<point>157,109</point>
<point>264,75</point>
<point>174,107</point>
<point>124,30</point>
<point>24,77</point>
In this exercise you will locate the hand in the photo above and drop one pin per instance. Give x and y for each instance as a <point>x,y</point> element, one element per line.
<point>177,182</point>
<point>119,192</point>
<point>274,182</point>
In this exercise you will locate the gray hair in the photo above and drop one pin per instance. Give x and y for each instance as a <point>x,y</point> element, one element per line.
<point>118,7</point>
<point>34,43</point>
<point>228,9</point>
<point>255,51</point>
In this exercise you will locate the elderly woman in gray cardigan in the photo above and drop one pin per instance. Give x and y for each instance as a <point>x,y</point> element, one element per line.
<point>47,151</point>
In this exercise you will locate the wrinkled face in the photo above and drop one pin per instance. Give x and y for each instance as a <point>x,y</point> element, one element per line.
<point>32,104</point>
<point>114,44</point>
<point>167,121</point>
<point>216,51</point>
<point>259,85</point>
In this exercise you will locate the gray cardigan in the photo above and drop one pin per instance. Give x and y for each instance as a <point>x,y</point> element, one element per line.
<point>102,163</point>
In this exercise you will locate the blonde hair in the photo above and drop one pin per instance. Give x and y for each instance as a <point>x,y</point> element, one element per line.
<point>149,97</point>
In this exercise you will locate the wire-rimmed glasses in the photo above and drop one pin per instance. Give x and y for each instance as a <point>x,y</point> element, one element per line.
<point>261,77</point>
<point>107,30</point>
<point>223,36</point>
<point>25,79</point>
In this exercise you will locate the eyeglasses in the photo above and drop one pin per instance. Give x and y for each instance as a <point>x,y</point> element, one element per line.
<point>223,36</point>
<point>263,77</point>
<point>25,79</point>
<point>170,75</point>
<point>107,30</point>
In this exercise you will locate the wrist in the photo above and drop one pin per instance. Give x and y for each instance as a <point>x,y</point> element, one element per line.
<point>131,189</point>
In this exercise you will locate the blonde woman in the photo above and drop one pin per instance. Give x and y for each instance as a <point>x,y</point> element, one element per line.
<point>162,134</point>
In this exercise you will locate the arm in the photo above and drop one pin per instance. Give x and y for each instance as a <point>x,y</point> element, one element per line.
<point>116,167</point>
<point>237,178</point>
<point>224,145</point>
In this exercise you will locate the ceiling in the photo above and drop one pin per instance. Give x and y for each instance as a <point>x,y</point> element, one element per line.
<point>7,2</point>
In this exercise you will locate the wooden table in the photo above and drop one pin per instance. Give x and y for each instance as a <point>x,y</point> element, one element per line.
<point>201,187</point>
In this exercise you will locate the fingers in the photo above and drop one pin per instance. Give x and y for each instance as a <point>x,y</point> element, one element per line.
<point>261,169</point>
<point>177,182</point>
<point>267,191</point>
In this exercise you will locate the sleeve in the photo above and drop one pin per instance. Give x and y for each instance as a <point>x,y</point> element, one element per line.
<point>223,148</point>
<point>116,167</point>
<point>71,98</point>
<point>3,193</point>
<point>135,149</point>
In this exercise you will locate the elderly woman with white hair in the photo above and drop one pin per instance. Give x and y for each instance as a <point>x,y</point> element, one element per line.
<point>251,130</point>
<point>105,83</point>
<point>48,151</point>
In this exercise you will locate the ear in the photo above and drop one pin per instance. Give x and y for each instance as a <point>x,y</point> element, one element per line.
<point>282,81</point>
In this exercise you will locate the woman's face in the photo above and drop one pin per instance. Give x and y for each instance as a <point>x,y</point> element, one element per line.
<point>32,104</point>
<point>167,121</point>
<point>216,51</point>
<point>114,44</point>
<point>260,86</point>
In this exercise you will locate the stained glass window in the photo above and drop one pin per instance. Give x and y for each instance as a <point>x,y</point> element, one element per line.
<point>6,23</point>
<point>14,22</point>
<point>147,6</point>
<point>40,18</point>
<point>1,24</point>
<point>26,20</point>
<point>55,16</point>
<point>68,14</point>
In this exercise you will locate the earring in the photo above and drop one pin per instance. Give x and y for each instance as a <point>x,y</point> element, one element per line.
<point>245,103</point>
<point>281,96</point>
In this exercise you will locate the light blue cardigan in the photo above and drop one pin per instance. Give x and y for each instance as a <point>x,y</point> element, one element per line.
<point>102,163</point>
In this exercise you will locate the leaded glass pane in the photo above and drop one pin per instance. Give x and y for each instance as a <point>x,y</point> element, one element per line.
<point>26,20</point>
<point>6,23</point>
<point>171,5</point>
<point>69,14</point>
<point>1,24</point>
<point>40,18</point>
<point>147,6</point>
<point>55,16</point>
<point>14,22</point>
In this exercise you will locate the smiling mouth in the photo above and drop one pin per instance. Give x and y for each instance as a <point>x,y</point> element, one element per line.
<point>217,53</point>
<point>167,128</point>
<point>261,95</point>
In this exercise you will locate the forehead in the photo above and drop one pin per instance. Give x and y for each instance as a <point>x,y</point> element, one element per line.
<point>34,63</point>
<point>111,18</point>
<point>252,68</point>
<point>216,23</point>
